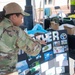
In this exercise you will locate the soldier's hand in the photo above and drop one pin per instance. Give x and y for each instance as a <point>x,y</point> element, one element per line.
<point>42,42</point>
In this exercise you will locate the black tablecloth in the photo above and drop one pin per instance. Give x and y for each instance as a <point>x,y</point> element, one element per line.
<point>71,41</point>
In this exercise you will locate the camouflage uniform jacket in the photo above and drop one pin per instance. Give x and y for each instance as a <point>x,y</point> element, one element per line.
<point>12,38</point>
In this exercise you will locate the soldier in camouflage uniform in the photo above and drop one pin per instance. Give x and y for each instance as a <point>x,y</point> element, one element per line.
<point>12,38</point>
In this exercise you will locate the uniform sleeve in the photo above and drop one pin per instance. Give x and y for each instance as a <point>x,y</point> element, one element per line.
<point>26,43</point>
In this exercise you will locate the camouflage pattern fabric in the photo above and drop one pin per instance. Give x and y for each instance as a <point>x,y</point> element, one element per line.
<point>12,39</point>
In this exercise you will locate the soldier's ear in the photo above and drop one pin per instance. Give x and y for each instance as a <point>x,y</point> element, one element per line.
<point>13,17</point>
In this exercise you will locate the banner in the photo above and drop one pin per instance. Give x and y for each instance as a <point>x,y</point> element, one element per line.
<point>52,57</point>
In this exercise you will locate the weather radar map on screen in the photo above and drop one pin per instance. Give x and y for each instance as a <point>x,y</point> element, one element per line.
<point>53,58</point>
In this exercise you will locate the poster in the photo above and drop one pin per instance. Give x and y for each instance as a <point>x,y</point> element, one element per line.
<point>52,56</point>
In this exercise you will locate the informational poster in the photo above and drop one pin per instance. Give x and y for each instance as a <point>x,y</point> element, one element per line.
<point>53,57</point>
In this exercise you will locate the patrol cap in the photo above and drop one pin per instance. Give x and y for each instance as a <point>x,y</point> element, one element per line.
<point>14,8</point>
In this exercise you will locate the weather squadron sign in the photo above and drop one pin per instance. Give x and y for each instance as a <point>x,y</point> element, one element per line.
<point>56,50</point>
<point>56,41</point>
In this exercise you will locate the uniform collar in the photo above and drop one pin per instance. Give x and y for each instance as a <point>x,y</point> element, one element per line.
<point>8,21</point>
